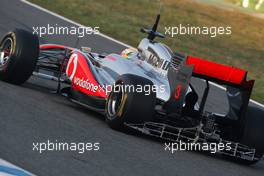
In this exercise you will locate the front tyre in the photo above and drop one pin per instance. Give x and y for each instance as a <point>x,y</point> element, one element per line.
<point>19,52</point>
<point>126,105</point>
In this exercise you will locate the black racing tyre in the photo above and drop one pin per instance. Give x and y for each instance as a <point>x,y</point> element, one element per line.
<point>126,106</point>
<point>253,134</point>
<point>19,52</point>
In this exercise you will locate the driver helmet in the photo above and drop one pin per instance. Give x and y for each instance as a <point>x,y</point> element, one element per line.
<point>128,53</point>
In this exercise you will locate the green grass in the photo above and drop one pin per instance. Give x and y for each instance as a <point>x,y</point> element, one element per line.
<point>122,20</point>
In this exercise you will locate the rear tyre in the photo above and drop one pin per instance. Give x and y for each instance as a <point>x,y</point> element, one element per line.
<point>19,52</point>
<point>126,106</point>
<point>253,135</point>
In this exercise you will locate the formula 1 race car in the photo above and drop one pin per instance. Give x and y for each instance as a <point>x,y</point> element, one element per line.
<point>148,89</point>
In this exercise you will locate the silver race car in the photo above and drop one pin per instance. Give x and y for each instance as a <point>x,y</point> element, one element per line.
<point>148,89</point>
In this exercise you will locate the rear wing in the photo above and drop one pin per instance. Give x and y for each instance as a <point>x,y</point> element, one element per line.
<point>216,72</point>
<point>238,88</point>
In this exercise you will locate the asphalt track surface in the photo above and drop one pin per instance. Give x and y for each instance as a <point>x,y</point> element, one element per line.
<point>30,113</point>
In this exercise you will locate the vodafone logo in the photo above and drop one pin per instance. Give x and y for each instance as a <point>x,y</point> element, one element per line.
<point>72,66</point>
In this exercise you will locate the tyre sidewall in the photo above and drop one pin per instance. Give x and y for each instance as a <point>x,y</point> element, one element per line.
<point>23,57</point>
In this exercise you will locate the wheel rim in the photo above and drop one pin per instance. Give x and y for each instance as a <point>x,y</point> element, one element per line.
<point>5,51</point>
<point>114,103</point>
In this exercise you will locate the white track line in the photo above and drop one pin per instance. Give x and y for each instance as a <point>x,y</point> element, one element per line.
<point>72,22</point>
<point>11,169</point>
<point>105,36</point>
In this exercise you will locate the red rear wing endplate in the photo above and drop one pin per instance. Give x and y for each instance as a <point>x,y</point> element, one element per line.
<point>217,71</point>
